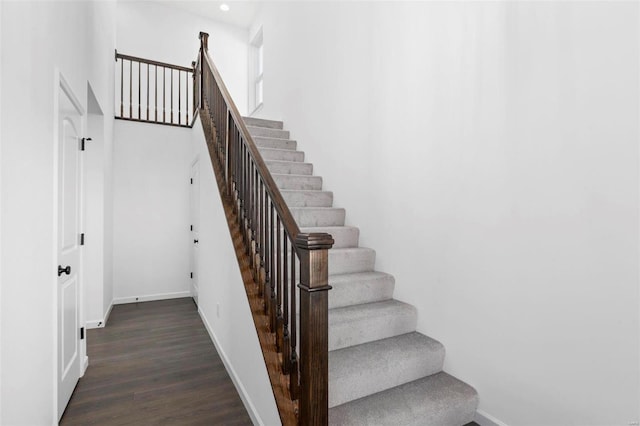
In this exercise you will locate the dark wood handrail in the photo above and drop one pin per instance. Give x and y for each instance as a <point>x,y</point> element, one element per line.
<point>272,247</point>
<point>289,223</point>
<point>152,62</point>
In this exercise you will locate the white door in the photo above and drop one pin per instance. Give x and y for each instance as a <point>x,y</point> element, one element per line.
<point>195,227</point>
<point>68,247</point>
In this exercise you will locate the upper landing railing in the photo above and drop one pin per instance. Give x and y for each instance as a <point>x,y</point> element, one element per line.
<point>154,92</point>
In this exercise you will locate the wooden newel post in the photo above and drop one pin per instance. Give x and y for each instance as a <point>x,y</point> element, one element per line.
<point>195,87</point>
<point>314,327</point>
<point>204,48</point>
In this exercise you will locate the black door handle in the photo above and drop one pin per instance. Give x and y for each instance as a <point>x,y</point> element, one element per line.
<point>195,241</point>
<point>62,270</point>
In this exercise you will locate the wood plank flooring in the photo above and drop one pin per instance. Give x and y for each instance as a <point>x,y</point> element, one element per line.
<point>154,364</point>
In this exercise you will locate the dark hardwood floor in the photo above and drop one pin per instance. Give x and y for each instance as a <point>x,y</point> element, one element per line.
<point>154,364</point>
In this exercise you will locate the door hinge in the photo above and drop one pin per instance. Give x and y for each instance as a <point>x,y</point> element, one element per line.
<point>82,239</point>
<point>191,180</point>
<point>191,275</point>
<point>192,227</point>
<point>82,143</point>
<point>81,333</point>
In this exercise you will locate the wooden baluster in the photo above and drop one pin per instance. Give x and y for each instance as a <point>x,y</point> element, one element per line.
<point>275,286</point>
<point>256,241</point>
<point>193,91</point>
<point>171,86</point>
<point>243,198</point>
<point>130,89</point>
<point>179,100</point>
<point>155,98</point>
<point>248,207</point>
<point>282,288</point>
<point>252,223</point>
<point>314,324</point>
<point>272,268</point>
<point>164,93</point>
<point>147,92</point>
<point>269,260</point>
<point>139,91</point>
<point>186,95</point>
<point>229,163</point>
<point>245,195</point>
<point>261,233</point>
<point>265,243</point>
<point>121,87</point>
<point>294,378</point>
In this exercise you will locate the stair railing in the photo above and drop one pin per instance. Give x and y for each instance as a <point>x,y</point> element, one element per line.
<point>288,266</point>
<point>154,92</point>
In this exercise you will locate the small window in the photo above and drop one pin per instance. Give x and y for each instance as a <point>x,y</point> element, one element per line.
<point>257,71</point>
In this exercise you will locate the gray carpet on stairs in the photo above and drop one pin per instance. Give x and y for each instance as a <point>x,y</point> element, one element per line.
<point>381,371</point>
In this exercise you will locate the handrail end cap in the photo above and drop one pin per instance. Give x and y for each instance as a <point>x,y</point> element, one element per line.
<point>314,241</point>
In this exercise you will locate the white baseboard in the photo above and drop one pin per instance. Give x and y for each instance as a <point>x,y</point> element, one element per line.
<point>485,419</point>
<point>251,409</point>
<point>151,297</point>
<point>85,365</point>
<point>100,323</point>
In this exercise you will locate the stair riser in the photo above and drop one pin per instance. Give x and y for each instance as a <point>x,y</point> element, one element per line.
<point>259,122</point>
<point>298,182</point>
<point>350,262</point>
<point>362,291</point>
<point>323,217</point>
<point>269,133</point>
<point>308,198</point>
<point>275,143</point>
<point>290,168</point>
<point>343,334</point>
<point>281,155</point>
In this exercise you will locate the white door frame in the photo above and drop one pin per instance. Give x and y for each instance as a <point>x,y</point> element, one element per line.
<point>60,83</point>
<point>195,186</point>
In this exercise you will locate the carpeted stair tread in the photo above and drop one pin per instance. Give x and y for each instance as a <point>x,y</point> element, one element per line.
<point>289,167</point>
<point>357,324</point>
<point>277,143</point>
<point>360,288</point>
<point>351,259</point>
<point>266,131</point>
<point>261,122</point>
<point>350,369</point>
<point>288,181</point>
<point>343,236</point>
<point>436,400</point>
<point>307,198</point>
<point>318,216</point>
<point>281,154</point>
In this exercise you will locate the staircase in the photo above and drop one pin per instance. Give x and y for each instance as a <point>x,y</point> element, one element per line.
<point>381,371</point>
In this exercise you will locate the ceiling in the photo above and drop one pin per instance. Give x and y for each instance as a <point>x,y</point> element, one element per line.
<point>241,13</point>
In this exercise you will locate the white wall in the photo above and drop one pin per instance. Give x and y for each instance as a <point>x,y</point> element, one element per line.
<point>220,284</point>
<point>168,34</point>
<point>37,38</point>
<point>151,211</point>
<point>497,144</point>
